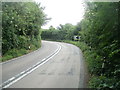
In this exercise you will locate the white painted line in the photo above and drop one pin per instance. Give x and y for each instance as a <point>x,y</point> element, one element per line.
<point>22,72</point>
<point>12,80</point>
<point>43,59</point>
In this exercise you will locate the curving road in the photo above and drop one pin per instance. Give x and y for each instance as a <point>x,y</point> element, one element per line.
<point>54,65</point>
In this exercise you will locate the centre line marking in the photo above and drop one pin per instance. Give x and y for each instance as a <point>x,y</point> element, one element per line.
<point>19,76</point>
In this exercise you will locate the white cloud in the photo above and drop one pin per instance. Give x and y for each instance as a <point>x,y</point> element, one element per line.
<point>63,11</point>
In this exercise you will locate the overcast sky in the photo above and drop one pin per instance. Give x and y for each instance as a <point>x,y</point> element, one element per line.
<point>63,11</point>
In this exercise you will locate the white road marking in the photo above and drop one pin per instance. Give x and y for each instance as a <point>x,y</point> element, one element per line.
<point>19,76</point>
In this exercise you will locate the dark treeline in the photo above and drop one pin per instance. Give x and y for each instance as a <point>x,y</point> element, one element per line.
<point>21,26</point>
<point>63,32</point>
<point>99,31</point>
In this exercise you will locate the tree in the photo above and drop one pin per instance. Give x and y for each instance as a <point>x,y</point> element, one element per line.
<point>67,31</point>
<point>99,30</point>
<point>21,24</point>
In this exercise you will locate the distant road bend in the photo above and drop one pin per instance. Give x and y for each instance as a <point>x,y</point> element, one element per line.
<point>54,65</point>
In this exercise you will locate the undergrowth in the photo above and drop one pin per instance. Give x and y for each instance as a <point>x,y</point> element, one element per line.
<point>13,53</point>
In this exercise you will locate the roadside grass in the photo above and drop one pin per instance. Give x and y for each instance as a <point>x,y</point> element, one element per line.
<point>13,53</point>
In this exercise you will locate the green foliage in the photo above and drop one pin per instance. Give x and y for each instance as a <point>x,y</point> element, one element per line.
<point>21,25</point>
<point>63,32</point>
<point>99,30</point>
<point>13,53</point>
<point>7,57</point>
<point>50,33</point>
<point>103,82</point>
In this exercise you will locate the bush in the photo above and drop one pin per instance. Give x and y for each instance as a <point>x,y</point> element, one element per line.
<point>14,53</point>
<point>21,25</point>
<point>7,57</point>
<point>102,82</point>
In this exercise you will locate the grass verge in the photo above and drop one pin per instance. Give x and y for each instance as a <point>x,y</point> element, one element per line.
<point>13,53</point>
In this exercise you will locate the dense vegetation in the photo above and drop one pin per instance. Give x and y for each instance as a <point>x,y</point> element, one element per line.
<point>100,42</point>
<point>21,27</point>
<point>63,32</point>
<point>100,31</point>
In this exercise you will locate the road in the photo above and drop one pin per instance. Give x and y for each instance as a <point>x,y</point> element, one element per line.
<point>54,65</point>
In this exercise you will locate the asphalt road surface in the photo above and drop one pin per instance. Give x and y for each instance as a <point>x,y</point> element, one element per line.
<point>54,65</point>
